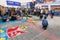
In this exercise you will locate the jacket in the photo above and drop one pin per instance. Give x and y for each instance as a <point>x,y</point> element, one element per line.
<point>44,22</point>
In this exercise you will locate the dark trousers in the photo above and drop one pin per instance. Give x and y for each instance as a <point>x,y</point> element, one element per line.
<point>4,20</point>
<point>41,17</point>
<point>52,15</point>
<point>44,27</point>
<point>13,18</point>
<point>46,15</point>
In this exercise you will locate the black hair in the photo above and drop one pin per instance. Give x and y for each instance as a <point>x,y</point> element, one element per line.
<point>44,17</point>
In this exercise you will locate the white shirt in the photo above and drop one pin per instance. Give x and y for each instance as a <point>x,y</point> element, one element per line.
<point>41,11</point>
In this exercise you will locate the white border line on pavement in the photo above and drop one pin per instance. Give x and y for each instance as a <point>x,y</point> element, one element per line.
<point>38,35</point>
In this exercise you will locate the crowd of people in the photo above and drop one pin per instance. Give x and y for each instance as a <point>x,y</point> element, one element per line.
<point>11,14</point>
<point>7,13</point>
<point>46,12</point>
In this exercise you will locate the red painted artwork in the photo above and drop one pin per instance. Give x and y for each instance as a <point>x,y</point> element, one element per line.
<point>11,32</point>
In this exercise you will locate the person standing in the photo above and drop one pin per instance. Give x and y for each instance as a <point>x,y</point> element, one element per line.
<point>34,11</point>
<point>46,13</point>
<point>52,13</point>
<point>41,14</point>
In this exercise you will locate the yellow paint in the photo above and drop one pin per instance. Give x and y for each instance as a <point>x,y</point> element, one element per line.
<point>36,21</point>
<point>23,27</point>
<point>1,31</point>
<point>30,20</point>
<point>2,38</point>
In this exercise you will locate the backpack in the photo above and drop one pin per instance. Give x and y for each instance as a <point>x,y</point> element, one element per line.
<point>44,22</point>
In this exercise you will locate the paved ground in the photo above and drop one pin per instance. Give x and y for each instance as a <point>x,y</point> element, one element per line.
<point>35,32</point>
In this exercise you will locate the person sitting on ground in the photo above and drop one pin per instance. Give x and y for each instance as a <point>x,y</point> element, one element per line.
<point>13,15</point>
<point>4,15</point>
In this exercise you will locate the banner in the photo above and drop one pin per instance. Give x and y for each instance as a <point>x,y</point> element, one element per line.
<point>13,3</point>
<point>40,1</point>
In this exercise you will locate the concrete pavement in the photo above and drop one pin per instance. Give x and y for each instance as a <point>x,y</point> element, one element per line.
<point>35,32</point>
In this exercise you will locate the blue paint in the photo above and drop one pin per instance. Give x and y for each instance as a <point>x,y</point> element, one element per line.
<point>16,21</point>
<point>23,21</point>
<point>3,34</point>
<point>8,22</point>
<point>13,22</point>
<point>2,22</point>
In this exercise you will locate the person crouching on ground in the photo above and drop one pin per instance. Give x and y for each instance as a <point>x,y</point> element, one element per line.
<point>44,24</point>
